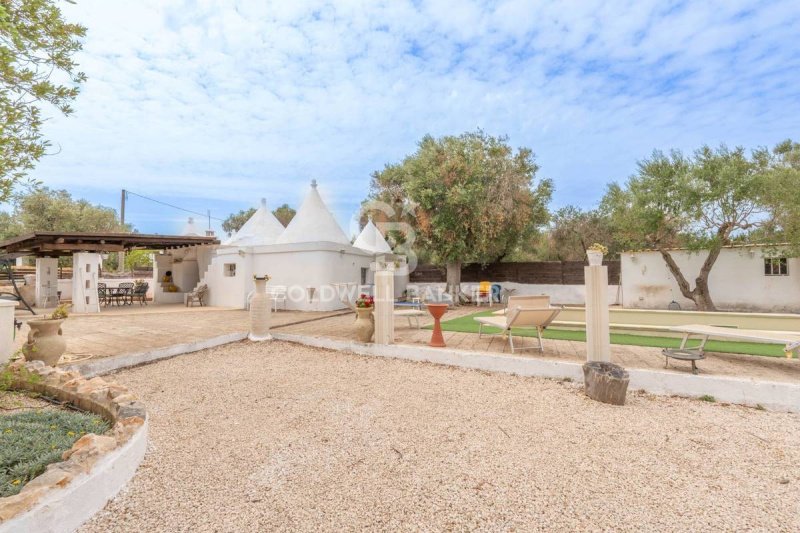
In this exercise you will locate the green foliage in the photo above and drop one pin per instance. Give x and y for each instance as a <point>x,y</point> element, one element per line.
<point>781,193</point>
<point>235,221</point>
<point>31,440</point>
<point>470,198</point>
<point>36,48</point>
<point>136,259</point>
<point>700,202</point>
<point>707,398</point>
<point>284,214</point>
<point>60,312</point>
<point>55,210</point>
<point>573,230</point>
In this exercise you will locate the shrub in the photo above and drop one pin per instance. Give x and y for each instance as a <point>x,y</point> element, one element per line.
<point>707,398</point>
<point>31,440</point>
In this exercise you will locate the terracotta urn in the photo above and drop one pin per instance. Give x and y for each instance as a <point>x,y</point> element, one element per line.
<point>260,312</point>
<point>45,341</point>
<point>365,324</point>
<point>595,257</point>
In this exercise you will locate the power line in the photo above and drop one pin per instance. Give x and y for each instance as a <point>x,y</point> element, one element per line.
<point>204,215</point>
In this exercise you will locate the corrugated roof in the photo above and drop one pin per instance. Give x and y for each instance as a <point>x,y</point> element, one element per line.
<point>260,229</point>
<point>371,240</point>
<point>313,223</point>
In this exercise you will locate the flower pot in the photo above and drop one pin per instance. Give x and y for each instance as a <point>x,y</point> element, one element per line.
<point>260,313</point>
<point>595,257</point>
<point>45,341</point>
<point>365,324</point>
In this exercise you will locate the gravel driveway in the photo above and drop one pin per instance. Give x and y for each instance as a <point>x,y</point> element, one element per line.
<point>278,436</point>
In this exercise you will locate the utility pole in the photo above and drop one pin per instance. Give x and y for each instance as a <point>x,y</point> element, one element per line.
<point>121,255</point>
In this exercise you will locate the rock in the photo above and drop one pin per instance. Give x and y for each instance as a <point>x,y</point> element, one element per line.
<point>126,427</point>
<point>51,478</point>
<point>11,506</point>
<point>130,409</point>
<point>89,445</point>
<point>605,382</point>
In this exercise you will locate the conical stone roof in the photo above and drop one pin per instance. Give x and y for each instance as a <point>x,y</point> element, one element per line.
<point>191,229</point>
<point>260,229</point>
<point>371,240</point>
<point>313,223</point>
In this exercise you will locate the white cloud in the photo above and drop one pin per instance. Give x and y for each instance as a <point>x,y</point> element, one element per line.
<point>228,102</point>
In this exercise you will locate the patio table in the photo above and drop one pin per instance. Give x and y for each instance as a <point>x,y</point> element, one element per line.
<point>122,295</point>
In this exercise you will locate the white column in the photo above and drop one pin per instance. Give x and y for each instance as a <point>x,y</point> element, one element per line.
<point>46,282</point>
<point>85,271</point>
<point>6,329</point>
<point>384,305</point>
<point>598,336</point>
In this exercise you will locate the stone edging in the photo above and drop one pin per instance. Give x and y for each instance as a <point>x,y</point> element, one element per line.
<point>773,395</point>
<point>94,469</point>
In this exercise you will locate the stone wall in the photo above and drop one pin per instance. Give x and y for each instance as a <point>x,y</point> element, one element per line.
<point>96,395</point>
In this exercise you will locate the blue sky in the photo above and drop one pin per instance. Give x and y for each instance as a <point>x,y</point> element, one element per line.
<point>212,105</point>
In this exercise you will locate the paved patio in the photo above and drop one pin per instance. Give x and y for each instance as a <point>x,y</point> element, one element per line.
<point>119,331</point>
<point>126,330</point>
<point>745,366</point>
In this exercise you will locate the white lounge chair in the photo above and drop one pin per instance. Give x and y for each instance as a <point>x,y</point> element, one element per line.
<point>537,318</point>
<point>532,300</point>
<point>789,339</point>
<point>277,293</point>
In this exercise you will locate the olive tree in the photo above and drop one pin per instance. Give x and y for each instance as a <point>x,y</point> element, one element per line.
<point>36,69</point>
<point>700,202</point>
<point>469,198</point>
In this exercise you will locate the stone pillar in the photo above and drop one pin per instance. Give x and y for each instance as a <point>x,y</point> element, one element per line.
<point>46,282</point>
<point>6,329</point>
<point>598,335</point>
<point>85,271</point>
<point>384,304</point>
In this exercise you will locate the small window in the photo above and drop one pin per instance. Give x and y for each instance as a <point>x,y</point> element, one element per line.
<point>230,270</point>
<point>776,266</point>
<point>364,275</point>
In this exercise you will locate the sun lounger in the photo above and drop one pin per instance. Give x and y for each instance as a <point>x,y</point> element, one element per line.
<point>537,318</point>
<point>790,340</point>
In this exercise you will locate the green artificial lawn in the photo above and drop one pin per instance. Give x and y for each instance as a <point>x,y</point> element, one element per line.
<point>466,324</point>
<point>31,440</point>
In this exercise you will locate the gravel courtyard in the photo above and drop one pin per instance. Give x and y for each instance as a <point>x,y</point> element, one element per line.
<point>277,436</point>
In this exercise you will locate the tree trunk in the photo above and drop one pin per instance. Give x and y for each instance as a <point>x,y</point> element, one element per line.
<point>700,295</point>
<point>454,281</point>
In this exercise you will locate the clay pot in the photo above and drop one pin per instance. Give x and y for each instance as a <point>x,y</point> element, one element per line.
<point>365,324</point>
<point>260,313</point>
<point>45,341</point>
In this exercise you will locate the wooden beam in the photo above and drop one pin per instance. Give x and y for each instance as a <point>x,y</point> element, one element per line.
<point>83,247</point>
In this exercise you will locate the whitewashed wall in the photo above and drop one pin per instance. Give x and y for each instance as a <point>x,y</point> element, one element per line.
<point>295,266</point>
<point>737,281</point>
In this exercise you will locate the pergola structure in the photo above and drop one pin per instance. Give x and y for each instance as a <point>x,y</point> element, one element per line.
<point>58,244</point>
<point>85,249</point>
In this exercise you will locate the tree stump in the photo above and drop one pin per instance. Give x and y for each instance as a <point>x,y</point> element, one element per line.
<point>605,382</point>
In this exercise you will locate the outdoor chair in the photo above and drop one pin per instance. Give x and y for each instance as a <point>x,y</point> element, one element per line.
<point>102,293</point>
<point>538,300</point>
<point>125,295</point>
<point>197,295</point>
<point>140,293</point>
<point>537,318</point>
<point>483,292</point>
<point>277,293</point>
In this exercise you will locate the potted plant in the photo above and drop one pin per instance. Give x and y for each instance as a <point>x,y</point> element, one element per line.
<point>365,323</point>
<point>45,340</point>
<point>595,253</point>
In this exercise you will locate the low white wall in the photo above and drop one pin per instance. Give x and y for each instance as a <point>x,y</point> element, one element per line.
<point>559,294</point>
<point>737,281</point>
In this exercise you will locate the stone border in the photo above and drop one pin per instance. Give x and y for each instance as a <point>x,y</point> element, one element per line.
<point>771,395</point>
<point>94,469</point>
<point>104,365</point>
